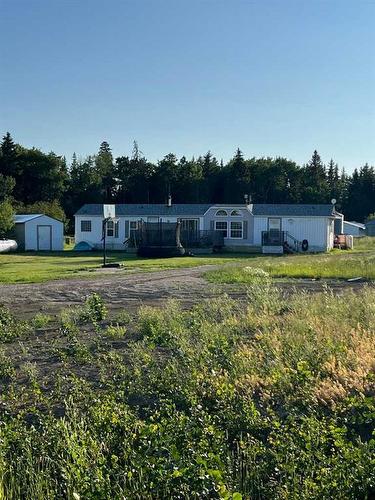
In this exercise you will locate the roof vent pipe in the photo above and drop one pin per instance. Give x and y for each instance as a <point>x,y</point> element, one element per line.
<point>248,202</point>
<point>169,201</point>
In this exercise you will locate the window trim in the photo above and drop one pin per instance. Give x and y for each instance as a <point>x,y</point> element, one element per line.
<point>222,230</point>
<point>231,229</point>
<point>274,218</point>
<point>89,223</point>
<point>114,229</point>
<point>221,213</point>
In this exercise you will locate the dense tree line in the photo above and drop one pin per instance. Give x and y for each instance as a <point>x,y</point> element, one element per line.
<point>31,180</point>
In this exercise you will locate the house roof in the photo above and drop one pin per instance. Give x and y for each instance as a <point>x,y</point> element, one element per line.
<point>192,209</point>
<point>280,209</point>
<point>21,218</point>
<point>148,210</point>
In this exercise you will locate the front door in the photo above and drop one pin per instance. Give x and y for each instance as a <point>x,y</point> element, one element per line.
<point>44,235</point>
<point>274,230</point>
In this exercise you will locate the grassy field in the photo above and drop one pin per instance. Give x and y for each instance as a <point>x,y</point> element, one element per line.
<point>338,264</point>
<point>269,398</point>
<point>33,267</point>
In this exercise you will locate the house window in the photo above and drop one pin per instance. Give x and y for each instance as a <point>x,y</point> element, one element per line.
<point>236,230</point>
<point>112,229</point>
<point>85,226</point>
<point>221,213</point>
<point>235,213</point>
<point>133,225</point>
<point>222,226</point>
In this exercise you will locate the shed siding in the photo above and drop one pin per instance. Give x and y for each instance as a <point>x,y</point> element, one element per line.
<point>20,235</point>
<point>31,233</point>
<point>354,230</point>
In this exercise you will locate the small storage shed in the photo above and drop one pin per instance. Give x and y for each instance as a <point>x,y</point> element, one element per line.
<point>39,232</point>
<point>370,227</point>
<point>355,229</point>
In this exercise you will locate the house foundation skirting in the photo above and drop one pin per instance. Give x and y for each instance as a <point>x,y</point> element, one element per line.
<point>272,249</point>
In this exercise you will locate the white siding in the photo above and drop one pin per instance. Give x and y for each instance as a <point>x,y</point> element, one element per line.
<point>260,224</point>
<point>246,217</point>
<point>31,233</point>
<point>95,236</point>
<point>318,231</point>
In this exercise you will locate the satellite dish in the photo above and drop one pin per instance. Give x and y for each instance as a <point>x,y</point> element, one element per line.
<point>333,201</point>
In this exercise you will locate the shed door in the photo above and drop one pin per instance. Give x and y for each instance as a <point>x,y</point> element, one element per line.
<point>44,234</point>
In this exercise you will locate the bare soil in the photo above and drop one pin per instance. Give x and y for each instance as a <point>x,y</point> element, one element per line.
<point>121,290</point>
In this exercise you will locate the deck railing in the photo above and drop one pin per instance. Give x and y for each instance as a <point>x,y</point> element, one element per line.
<point>280,238</point>
<point>201,239</point>
<point>273,238</point>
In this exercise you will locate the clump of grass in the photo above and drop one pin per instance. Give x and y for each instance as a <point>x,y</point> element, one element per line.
<point>10,326</point>
<point>41,320</point>
<point>7,369</point>
<point>115,331</point>
<point>123,318</point>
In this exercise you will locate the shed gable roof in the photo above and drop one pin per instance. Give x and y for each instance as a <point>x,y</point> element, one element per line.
<point>355,224</point>
<point>21,218</point>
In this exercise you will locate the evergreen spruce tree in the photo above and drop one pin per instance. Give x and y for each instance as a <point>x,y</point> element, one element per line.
<point>316,188</point>
<point>8,157</point>
<point>105,171</point>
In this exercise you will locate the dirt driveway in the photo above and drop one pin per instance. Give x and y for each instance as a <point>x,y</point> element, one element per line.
<point>122,290</point>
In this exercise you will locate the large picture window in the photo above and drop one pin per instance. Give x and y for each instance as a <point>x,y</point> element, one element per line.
<point>222,226</point>
<point>236,230</point>
<point>85,226</point>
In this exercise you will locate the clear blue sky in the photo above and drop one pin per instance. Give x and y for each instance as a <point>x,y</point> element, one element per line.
<point>185,76</point>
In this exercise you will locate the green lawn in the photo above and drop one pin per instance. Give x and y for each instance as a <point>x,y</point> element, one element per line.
<point>38,267</point>
<point>35,267</point>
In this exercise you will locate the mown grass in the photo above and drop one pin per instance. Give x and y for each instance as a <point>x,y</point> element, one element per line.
<point>271,398</point>
<point>35,267</point>
<point>39,267</point>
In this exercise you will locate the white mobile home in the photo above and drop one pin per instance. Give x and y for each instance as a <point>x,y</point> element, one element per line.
<point>263,227</point>
<point>39,232</point>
